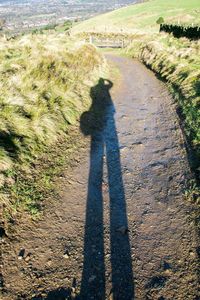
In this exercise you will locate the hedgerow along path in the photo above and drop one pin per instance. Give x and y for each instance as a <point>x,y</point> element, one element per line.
<point>121,228</point>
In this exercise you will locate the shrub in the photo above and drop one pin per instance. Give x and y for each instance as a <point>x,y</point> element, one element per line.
<point>160,20</point>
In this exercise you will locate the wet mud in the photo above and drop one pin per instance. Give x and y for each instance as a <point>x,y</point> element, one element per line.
<point>121,228</point>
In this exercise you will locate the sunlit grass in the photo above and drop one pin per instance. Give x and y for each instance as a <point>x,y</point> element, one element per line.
<point>45,82</point>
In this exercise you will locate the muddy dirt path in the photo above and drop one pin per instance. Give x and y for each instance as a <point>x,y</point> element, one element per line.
<point>121,228</point>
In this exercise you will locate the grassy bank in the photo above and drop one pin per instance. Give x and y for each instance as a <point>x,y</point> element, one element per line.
<point>45,85</point>
<point>178,62</point>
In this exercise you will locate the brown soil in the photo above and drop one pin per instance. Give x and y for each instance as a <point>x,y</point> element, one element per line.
<point>121,228</point>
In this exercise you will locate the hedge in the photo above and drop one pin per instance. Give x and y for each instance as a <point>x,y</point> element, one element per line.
<point>191,32</point>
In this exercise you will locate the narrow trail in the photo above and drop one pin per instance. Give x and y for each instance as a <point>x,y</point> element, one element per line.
<point>121,228</point>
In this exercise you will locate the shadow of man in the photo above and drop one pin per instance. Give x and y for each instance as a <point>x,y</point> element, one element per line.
<point>100,124</point>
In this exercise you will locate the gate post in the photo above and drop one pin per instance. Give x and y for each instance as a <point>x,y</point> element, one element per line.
<point>91,39</point>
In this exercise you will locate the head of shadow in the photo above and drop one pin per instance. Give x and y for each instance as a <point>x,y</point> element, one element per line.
<point>94,119</point>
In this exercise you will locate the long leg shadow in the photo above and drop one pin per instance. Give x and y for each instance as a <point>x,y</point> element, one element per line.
<point>100,124</point>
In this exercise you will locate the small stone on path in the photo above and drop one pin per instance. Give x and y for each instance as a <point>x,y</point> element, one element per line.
<point>123,230</point>
<point>92,278</point>
<point>21,254</point>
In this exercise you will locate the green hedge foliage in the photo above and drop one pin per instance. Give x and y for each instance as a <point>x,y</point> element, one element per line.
<point>191,32</point>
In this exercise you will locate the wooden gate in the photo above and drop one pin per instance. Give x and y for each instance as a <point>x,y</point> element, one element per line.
<point>107,42</point>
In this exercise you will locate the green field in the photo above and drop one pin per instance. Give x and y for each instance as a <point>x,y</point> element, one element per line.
<point>143,17</point>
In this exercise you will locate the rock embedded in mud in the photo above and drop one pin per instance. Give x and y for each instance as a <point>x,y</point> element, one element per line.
<point>123,230</point>
<point>66,254</point>
<point>92,278</point>
<point>28,257</point>
<point>165,265</point>
<point>21,254</point>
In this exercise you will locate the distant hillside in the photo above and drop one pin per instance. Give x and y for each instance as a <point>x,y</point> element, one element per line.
<point>143,16</point>
<point>23,15</point>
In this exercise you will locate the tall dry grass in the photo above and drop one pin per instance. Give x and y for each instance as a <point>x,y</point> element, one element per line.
<point>44,86</point>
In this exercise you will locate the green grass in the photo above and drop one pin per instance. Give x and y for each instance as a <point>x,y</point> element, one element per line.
<point>142,17</point>
<point>45,82</point>
<point>36,183</point>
